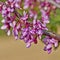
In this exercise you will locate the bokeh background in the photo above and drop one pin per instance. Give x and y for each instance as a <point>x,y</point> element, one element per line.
<point>11,49</point>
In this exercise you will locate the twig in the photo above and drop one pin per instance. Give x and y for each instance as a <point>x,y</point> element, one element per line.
<point>52,35</point>
<point>53,2</point>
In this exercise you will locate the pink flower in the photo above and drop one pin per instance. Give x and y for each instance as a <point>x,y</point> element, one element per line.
<point>24,17</point>
<point>29,25</point>
<point>45,17</point>
<point>48,43</point>
<point>58,1</point>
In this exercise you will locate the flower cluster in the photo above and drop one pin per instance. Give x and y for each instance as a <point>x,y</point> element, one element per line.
<point>48,43</point>
<point>27,26</point>
<point>6,10</point>
<point>57,1</point>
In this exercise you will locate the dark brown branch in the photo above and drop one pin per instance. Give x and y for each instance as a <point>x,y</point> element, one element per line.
<point>52,35</point>
<point>17,14</point>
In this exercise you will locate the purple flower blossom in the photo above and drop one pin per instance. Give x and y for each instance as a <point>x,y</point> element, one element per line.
<point>22,27</point>
<point>33,14</point>
<point>48,43</point>
<point>58,1</point>
<point>45,17</point>
<point>24,17</point>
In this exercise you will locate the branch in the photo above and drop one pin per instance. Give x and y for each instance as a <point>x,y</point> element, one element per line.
<point>53,2</point>
<point>52,35</point>
<point>16,13</point>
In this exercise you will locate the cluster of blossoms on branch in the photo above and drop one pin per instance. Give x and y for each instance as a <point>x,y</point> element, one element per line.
<point>28,26</point>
